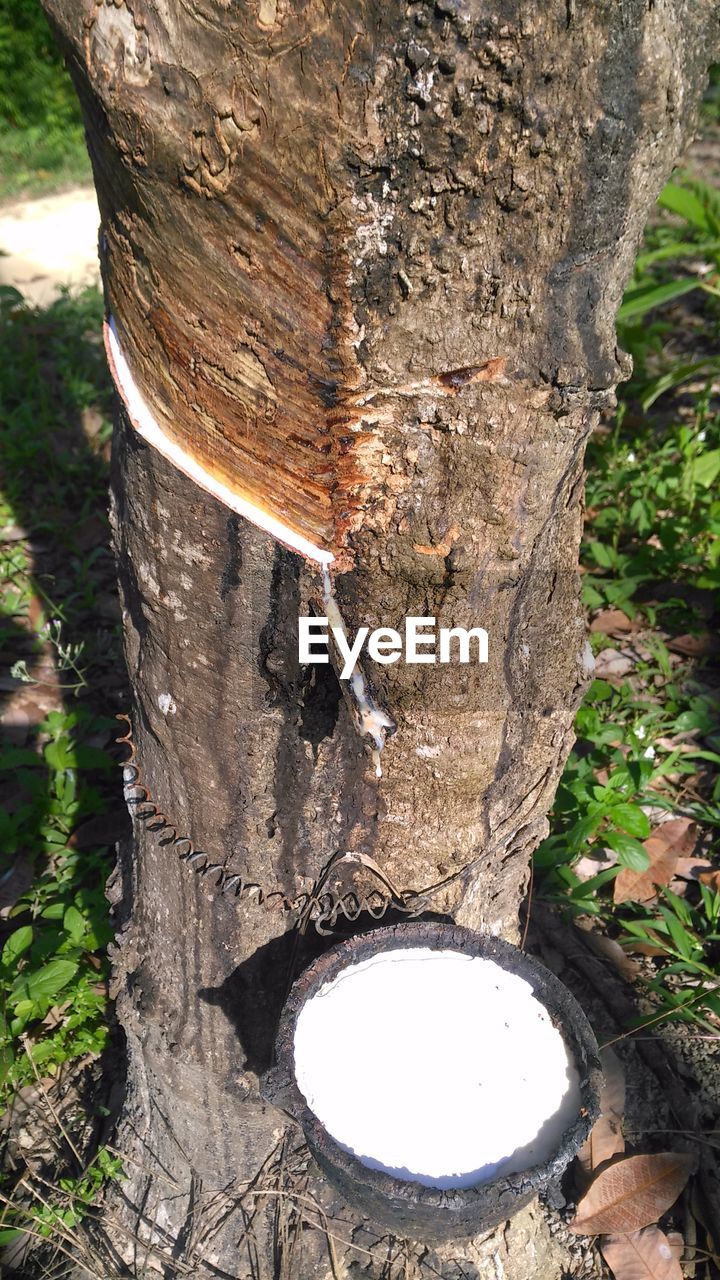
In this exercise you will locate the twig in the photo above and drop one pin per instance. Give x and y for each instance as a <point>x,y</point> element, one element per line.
<point>50,1107</point>
<point>37,1235</point>
<point>658,1018</point>
<point>154,1173</point>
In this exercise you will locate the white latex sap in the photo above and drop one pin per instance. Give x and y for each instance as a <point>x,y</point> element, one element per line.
<point>436,1066</point>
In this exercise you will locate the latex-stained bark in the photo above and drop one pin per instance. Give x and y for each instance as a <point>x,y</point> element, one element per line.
<point>333,208</point>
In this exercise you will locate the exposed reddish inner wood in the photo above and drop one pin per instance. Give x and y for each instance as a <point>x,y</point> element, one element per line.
<point>241,348</point>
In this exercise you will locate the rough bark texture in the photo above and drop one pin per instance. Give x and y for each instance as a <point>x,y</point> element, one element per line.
<point>318,221</point>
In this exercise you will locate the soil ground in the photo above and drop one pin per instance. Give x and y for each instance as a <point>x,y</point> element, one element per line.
<point>48,243</point>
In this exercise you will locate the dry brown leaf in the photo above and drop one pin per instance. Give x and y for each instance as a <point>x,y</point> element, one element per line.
<point>678,743</point>
<point>611,950</point>
<point>632,1194</point>
<point>693,646</point>
<point>664,846</point>
<point>687,870</point>
<point>679,834</point>
<point>642,1255</point>
<point>610,664</point>
<point>611,622</point>
<point>636,947</point>
<point>693,868</point>
<point>605,1139</point>
<point>56,1016</point>
<point>711,879</point>
<point>590,864</point>
<point>641,886</point>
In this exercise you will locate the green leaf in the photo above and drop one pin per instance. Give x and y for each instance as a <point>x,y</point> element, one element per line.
<point>24,1008</point>
<point>19,757</point>
<point>680,200</point>
<point>93,758</point>
<point>588,887</point>
<point>629,851</point>
<point>602,554</point>
<point>680,907</point>
<point>599,691</point>
<point>74,924</point>
<point>60,754</point>
<point>581,831</point>
<point>55,911</point>
<point>637,302</point>
<point>706,468</point>
<point>10,296</point>
<point>684,943</point>
<point>677,249</point>
<point>45,984</point>
<point>7,1062</point>
<point>17,943</point>
<point>675,377</point>
<point>630,818</point>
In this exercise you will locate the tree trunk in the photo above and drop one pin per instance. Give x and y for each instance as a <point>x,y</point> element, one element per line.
<point>365,261</point>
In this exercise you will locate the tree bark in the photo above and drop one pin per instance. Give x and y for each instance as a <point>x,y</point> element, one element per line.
<point>320,224</point>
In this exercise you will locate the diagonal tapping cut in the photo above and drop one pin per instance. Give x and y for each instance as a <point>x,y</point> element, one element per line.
<point>352,453</point>
<point>149,428</point>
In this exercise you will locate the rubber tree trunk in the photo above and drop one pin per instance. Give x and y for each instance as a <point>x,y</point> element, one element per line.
<point>320,223</point>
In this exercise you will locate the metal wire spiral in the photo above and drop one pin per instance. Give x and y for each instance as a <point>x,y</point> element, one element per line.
<point>320,904</point>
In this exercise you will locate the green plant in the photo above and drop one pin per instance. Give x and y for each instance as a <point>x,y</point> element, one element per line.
<point>647,738</point>
<point>41,133</point>
<point>655,516</point>
<point>686,937</point>
<point>53,970</point>
<point>682,255</point>
<point>62,1206</point>
<point>54,961</point>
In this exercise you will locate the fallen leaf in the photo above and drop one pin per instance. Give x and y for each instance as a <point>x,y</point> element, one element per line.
<point>587,867</point>
<point>605,1139</point>
<point>611,664</point>
<point>692,646</point>
<point>91,420</point>
<point>632,1193</point>
<point>679,743</point>
<point>642,1255</point>
<point>689,869</point>
<point>56,1016</point>
<point>711,879</point>
<point>678,833</point>
<point>611,622</point>
<point>611,950</point>
<point>665,844</point>
<point>637,947</point>
<point>693,868</point>
<point>641,886</point>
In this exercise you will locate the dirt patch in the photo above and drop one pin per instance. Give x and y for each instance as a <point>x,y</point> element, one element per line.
<point>48,243</point>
